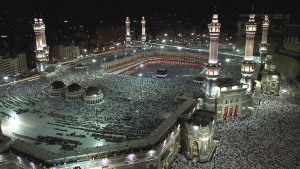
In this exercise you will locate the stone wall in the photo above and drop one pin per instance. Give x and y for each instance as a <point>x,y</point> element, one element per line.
<point>286,65</point>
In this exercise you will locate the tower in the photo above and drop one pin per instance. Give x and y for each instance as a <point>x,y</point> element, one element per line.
<point>42,50</point>
<point>128,36</point>
<point>248,65</point>
<point>144,36</point>
<point>263,46</point>
<point>212,68</point>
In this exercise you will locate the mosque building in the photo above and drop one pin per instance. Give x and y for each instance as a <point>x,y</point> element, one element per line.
<point>190,129</point>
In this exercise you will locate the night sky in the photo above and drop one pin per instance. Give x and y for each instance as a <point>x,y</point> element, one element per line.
<point>115,10</point>
<point>16,16</point>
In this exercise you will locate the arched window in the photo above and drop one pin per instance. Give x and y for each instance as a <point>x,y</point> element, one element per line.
<point>236,111</point>
<point>195,149</point>
<point>230,112</point>
<point>225,113</point>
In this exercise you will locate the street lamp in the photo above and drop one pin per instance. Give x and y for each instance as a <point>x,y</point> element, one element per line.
<point>5,78</point>
<point>237,51</point>
<point>227,60</point>
<point>140,75</point>
<point>85,52</point>
<point>166,38</point>
<point>94,61</point>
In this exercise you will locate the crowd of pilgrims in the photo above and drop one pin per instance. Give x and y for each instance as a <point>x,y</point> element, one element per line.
<point>132,106</point>
<point>268,138</point>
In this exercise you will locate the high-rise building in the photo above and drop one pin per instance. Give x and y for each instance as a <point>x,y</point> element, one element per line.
<point>12,64</point>
<point>65,52</point>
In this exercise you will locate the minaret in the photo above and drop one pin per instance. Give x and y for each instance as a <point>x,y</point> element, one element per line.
<point>144,36</point>
<point>213,68</point>
<point>128,36</point>
<point>248,65</point>
<point>42,50</point>
<point>263,46</point>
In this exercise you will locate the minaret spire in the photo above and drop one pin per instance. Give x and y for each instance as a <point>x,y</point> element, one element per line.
<point>213,68</point>
<point>127,36</point>
<point>144,36</point>
<point>42,50</point>
<point>248,64</point>
<point>263,46</point>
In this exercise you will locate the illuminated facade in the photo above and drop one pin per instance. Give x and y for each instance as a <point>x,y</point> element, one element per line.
<point>271,79</point>
<point>200,131</point>
<point>42,50</point>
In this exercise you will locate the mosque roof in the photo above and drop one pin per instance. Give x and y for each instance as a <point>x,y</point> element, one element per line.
<point>201,117</point>
<point>57,85</point>
<point>74,88</point>
<point>91,91</point>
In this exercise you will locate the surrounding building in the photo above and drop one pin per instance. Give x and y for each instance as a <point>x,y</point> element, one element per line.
<point>12,64</point>
<point>64,52</point>
<point>292,40</point>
